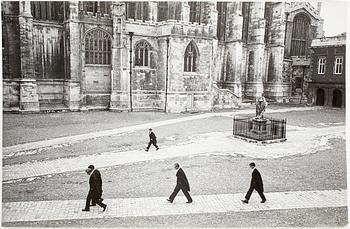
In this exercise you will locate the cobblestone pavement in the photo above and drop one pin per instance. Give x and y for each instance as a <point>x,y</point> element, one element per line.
<point>76,138</point>
<point>300,141</point>
<point>155,206</point>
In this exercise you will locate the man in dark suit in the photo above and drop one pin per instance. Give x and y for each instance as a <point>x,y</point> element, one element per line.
<point>95,191</point>
<point>256,183</point>
<point>152,140</point>
<point>181,183</point>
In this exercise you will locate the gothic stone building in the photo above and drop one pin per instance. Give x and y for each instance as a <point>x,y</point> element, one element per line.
<point>327,85</point>
<point>178,56</point>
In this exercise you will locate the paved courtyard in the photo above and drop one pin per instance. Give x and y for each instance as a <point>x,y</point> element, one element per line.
<point>44,183</point>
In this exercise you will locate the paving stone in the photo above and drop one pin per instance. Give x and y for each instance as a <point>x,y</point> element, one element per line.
<point>155,206</point>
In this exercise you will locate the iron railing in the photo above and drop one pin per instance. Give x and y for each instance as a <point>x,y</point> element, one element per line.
<point>259,129</point>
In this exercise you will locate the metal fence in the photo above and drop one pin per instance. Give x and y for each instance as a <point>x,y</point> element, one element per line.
<point>259,129</point>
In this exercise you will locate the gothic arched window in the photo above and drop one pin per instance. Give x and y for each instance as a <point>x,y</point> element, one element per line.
<point>300,35</point>
<point>137,10</point>
<point>195,11</point>
<point>142,53</point>
<point>97,7</point>
<point>47,11</point>
<point>221,28</point>
<point>190,60</point>
<point>98,47</point>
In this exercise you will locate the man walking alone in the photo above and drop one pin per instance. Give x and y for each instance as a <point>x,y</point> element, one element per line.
<point>256,183</point>
<point>95,191</point>
<point>181,183</point>
<point>152,140</point>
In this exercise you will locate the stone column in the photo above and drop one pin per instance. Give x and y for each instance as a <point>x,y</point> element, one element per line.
<point>28,97</point>
<point>256,47</point>
<point>153,11</point>
<point>185,11</point>
<point>234,48</point>
<point>74,85</point>
<point>275,87</point>
<point>119,83</point>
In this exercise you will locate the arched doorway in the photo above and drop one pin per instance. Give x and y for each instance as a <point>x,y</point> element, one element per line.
<point>320,97</point>
<point>337,98</point>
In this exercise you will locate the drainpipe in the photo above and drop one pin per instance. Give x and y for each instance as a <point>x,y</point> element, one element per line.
<point>166,73</point>
<point>130,72</point>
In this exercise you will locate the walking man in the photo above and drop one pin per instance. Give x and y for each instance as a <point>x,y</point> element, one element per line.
<point>256,183</point>
<point>95,191</point>
<point>152,140</point>
<point>181,183</point>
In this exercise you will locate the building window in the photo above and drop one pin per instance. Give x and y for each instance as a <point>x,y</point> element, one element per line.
<point>47,11</point>
<point>221,27</point>
<point>142,54</point>
<point>321,65</point>
<point>245,14</point>
<point>300,36</point>
<point>190,58</point>
<point>137,10</point>
<point>338,65</point>
<point>195,11</point>
<point>162,11</point>
<point>97,7</point>
<point>97,47</point>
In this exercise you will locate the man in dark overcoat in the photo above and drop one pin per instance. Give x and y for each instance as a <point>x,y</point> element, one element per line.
<point>152,140</point>
<point>181,183</point>
<point>255,183</point>
<point>95,191</point>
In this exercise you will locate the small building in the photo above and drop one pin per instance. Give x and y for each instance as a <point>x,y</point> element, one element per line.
<point>327,86</point>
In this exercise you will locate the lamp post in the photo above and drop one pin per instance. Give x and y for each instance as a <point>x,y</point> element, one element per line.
<point>166,73</point>
<point>130,72</point>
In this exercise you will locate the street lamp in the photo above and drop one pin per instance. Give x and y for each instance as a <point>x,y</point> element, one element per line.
<point>166,73</point>
<point>130,72</point>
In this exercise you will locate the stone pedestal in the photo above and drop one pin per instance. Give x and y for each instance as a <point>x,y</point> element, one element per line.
<point>259,126</point>
<point>28,97</point>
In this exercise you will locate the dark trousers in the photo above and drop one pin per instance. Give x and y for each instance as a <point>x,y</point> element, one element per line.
<point>176,191</point>
<point>95,199</point>
<point>154,142</point>
<point>251,189</point>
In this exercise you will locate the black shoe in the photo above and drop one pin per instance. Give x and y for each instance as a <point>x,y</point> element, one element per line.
<point>157,148</point>
<point>86,210</point>
<point>189,202</point>
<point>263,201</point>
<point>169,201</point>
<point>104,207</point>
<point>245,201</point>
<point>92,205</point>
<point>146,150</point>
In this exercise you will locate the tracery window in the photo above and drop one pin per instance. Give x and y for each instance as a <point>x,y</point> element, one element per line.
<point>97,47</point>
<point>97,7</point>
<point>300,35</point>
<point>245,14</point>
<point>137,10</point>
<point>221,27</point>
<point>162,11</point>
<point>190,60</point>
<point>142,53</point>
<point>195,11</point>
<point>47,11</point>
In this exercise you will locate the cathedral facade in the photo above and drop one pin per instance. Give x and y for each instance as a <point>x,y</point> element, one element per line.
<point>167,56</point>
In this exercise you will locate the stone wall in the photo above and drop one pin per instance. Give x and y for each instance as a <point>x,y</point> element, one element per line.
<point>50,91</point>
<point>10,96</point>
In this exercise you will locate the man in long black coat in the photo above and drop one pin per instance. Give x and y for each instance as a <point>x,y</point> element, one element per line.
<point>181,183</point>
<point>95,191</point>
<point>152,140</point>
<point>256,183</point>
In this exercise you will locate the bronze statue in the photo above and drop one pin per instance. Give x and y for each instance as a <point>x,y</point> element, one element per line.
<point>261,105</point>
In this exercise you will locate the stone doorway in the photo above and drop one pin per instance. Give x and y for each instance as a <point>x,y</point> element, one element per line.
<point>320,97</point>
<point>337,98</point>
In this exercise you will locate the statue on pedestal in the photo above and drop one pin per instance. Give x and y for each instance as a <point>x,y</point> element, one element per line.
<point>261,105</point>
